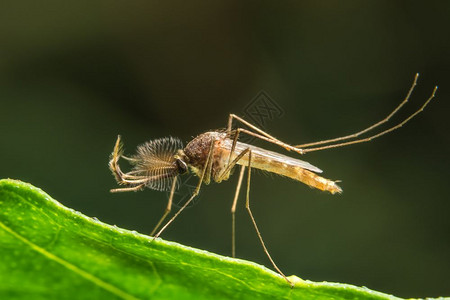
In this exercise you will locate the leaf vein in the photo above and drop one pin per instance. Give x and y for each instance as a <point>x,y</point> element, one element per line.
<point>90,277</point>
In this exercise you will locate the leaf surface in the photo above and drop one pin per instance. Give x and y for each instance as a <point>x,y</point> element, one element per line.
<point>49,251</point>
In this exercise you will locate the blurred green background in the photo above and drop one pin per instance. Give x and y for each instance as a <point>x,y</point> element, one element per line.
<point>74,74</point>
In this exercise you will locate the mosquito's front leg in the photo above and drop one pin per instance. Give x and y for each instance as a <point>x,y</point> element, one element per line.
<point>247,206</point>
<point>169,205</point>
<point>195,193</point>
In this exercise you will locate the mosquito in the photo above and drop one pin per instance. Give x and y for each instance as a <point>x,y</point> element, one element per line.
<point>212,156</point>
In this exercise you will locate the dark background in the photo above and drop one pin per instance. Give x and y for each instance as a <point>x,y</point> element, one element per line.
<point>74,74</point>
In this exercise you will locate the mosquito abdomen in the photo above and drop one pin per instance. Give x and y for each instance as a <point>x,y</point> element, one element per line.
<point>297,173</point>
<point>313,180</point>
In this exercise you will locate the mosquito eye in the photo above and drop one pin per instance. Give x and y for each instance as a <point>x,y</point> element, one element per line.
<point>182,166</point>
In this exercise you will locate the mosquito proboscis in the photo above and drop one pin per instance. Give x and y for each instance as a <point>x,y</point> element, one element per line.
<point>212,155</point>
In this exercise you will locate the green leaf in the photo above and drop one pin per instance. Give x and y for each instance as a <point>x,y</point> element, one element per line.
<point>49,251</point>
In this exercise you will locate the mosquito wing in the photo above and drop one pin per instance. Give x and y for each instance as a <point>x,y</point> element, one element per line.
<point>271,155</point>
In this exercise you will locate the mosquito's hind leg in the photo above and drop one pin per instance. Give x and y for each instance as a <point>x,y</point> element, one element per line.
<point>250,125</point>
<point>356,134</point>
<point>261,134</point>
<point>169,206</point>
<point>233,213</point>
<point>304,148</point>
<point>247,206</point>
<point>336,142</point>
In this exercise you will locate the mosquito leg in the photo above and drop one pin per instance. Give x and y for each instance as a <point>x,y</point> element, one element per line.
<point>368,139</point>
<point>169,206</point>
<point>209,164</point>
<point>301,148</point>
<point>232,164</point>
<point>250,125</point>
<point>194,194</point>
<point>233,213</point>
<point>128,189</point>
<point>276,141</point>
<point>386,119</point>
<point>235,139</point>
<point>354,135</point>
<point>233,146</point>
<point>260,134</point>
<point>247,205</point>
